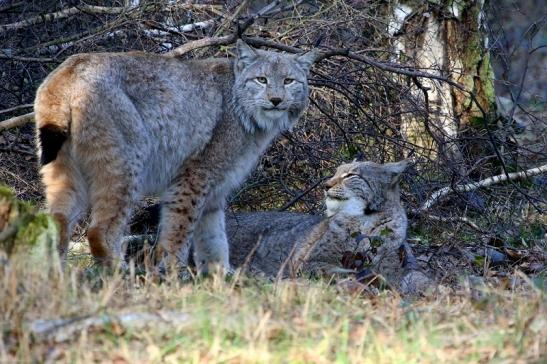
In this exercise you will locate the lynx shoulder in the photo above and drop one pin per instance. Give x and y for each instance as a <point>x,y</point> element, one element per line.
<point>114,127</point>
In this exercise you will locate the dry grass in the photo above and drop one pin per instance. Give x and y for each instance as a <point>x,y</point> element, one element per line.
<point>252,321</point>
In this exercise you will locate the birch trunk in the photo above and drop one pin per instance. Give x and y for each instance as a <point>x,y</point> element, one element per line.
<point>444,37</point>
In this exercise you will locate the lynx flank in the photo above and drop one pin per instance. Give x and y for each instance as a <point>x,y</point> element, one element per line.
<point>115,127</point>
<point>364,214</point>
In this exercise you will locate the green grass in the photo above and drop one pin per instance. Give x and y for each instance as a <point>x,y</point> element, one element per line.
<point>246,320</point>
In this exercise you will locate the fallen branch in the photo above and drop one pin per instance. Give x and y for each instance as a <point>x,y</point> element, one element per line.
<point>174,6</point>
<point>437,196</point>
<point>84,8</point>
<point>61,330</point>
<point>16,121</point>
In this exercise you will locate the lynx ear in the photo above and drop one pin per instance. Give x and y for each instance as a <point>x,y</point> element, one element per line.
<point>307,59</point>
<point>245,55</point>
<point>396,169</point>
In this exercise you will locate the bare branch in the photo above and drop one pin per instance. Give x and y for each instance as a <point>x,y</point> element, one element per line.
<point>61,15</point>
<point>202,43</point>
<point>159,29</point>
<point>61,44</point>
<point>29,59</point>
<point>482,183</point>
<point>267,11</point>
<point>17,121</point>
<point>302,194</point>
<point>15,108</point>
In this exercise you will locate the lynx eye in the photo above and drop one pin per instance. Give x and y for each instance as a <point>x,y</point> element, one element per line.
<point>288,81</point>
<point>349,175</point>
<point>262,80</point>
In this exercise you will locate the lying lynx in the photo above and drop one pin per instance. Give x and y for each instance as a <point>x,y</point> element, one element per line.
<point>364,214</point>
<point>115,127</point>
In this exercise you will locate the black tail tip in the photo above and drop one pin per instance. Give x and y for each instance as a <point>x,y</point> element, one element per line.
<point>52,138</point>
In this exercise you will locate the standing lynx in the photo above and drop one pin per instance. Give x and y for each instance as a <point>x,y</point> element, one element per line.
<point>115,127</point>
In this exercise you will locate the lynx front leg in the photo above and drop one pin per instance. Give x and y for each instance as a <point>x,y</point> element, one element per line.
<point>211,244</point>
<point>182,207</point>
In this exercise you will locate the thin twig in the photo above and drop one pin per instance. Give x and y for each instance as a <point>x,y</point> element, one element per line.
<point>29,59</point>
<point>15,108</point>
<point>463,219</point>
<point>247,262</point>
<point>301,194</point>
<point>16,150</point>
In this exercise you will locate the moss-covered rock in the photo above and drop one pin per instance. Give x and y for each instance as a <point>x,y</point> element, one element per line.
<point>24,230</point>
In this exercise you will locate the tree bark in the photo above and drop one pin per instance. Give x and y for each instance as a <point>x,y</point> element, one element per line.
<point>444,37</point>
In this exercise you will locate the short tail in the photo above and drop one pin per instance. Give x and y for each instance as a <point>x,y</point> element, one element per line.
<point>53,119</point>
<point>52,109</point>
<point>52,138</point>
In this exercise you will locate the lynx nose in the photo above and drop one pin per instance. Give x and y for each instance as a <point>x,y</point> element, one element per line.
<point>328,184</point>
<point>275,101</point>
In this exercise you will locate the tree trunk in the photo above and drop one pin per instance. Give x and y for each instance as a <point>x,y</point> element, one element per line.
<point>444,37</point>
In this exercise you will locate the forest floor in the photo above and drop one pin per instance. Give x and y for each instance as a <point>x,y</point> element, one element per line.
<point>85,316</point>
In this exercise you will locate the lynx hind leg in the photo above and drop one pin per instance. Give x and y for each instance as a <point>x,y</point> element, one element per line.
<point>65,195</point>
<point>112,195</point>
<point>182,207</point>
<point>211,244</point>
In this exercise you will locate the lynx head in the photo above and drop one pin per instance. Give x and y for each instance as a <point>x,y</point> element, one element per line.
<point>361,188</point>
<point>270,91</point>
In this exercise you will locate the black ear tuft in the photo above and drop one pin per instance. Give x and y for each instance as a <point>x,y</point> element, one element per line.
<point>52,138</point>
